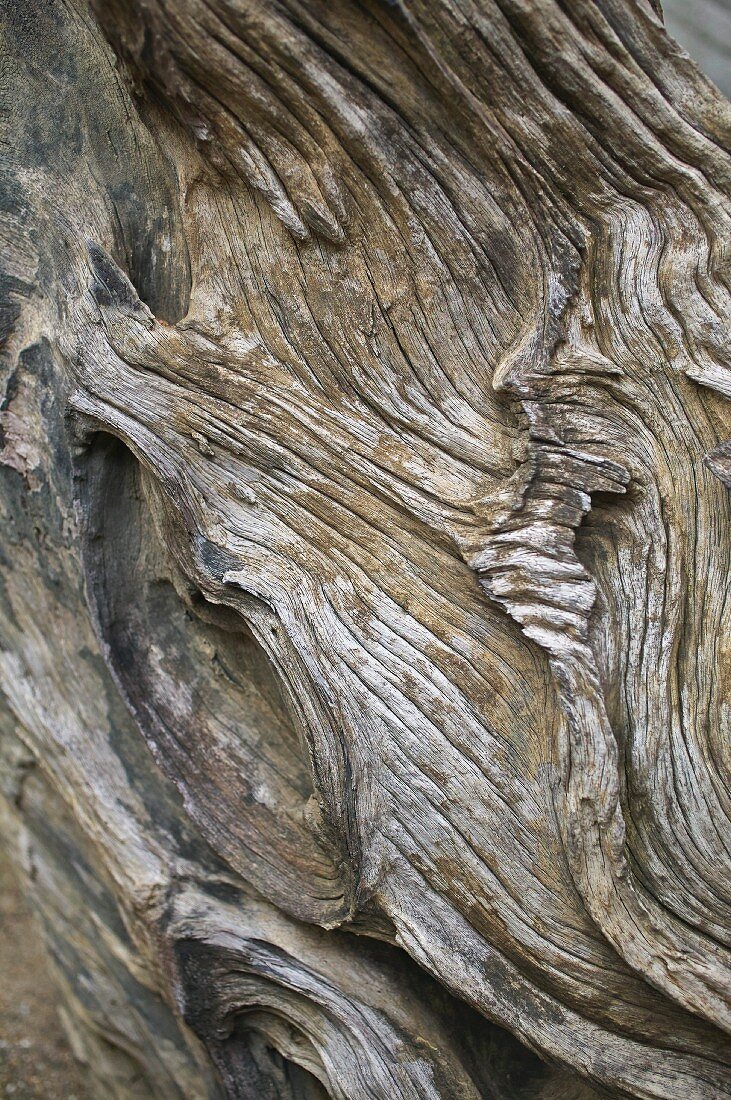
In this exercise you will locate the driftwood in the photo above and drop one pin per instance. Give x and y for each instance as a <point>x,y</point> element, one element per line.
<point>366,544</point>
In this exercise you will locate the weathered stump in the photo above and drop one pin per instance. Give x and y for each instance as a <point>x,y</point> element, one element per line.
<point>364,618</point>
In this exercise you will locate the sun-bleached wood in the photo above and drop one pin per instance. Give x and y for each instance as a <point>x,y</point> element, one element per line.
<point>366,550</point>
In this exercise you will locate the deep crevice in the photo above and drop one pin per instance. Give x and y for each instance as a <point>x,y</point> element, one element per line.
<point>203,692</point>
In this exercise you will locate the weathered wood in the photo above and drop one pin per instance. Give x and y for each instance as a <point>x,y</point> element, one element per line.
<point>364,617</point>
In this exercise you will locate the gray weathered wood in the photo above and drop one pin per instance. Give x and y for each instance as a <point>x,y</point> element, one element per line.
<point>366,551</point>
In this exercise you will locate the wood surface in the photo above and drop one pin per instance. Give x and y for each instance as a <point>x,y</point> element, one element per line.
<point>366,550</point>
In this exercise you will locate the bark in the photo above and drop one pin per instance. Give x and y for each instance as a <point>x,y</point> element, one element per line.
<point>366,553</point>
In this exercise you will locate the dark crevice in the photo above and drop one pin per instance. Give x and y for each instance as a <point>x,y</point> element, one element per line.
<point>202,690</point>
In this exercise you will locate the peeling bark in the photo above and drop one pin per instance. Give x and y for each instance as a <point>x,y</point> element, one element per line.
<point>364,475</point>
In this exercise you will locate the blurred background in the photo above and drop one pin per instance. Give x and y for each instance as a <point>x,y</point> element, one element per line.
<point>703,28</point>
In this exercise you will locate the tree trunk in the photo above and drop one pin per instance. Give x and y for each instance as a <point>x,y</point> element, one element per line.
<point>365,616</point>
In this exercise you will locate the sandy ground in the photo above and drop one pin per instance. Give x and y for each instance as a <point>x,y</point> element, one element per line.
<point>35,1061</point>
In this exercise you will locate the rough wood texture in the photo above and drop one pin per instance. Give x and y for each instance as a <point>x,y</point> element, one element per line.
<point>364,458</point>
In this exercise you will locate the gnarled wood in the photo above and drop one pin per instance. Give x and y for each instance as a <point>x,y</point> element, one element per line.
<point>364,459</point>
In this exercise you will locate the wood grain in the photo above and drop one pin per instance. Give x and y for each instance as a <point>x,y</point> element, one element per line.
<point>364,459</point>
